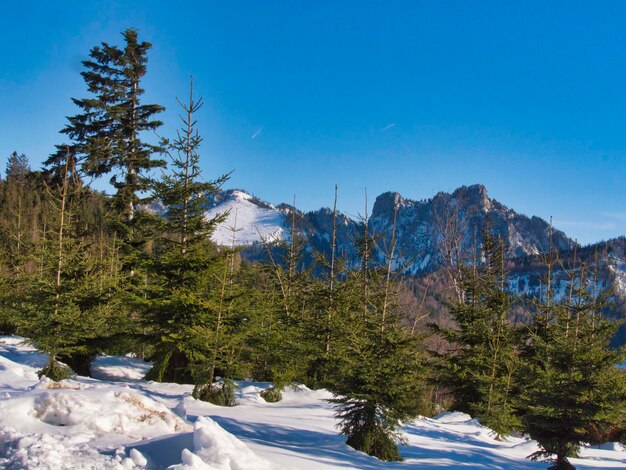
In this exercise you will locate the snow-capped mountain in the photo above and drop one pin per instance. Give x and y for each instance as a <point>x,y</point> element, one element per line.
<point>418,225</point>
<point>248,220</point>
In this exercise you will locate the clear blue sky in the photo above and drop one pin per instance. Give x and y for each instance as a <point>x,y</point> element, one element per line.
<point>528,98</point>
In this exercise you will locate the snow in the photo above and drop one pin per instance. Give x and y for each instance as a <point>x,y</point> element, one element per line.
<point>121,368</point>
<point>215,448</point>
<point>252,223</point>
<point>618,268</point>
<point>119,421</point>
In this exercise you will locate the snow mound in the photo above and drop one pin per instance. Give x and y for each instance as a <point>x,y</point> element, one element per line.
<point>449,417</point>
<point>217,449</point>
<point>615,446</point>
<point>109,410</point>
<point>57,452</point>
<point>19,350</point>
<point>7,366</point>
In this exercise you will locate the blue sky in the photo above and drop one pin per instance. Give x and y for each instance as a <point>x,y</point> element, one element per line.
<point>528,98</point>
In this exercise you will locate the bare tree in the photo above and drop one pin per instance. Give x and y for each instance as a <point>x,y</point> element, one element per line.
<point>450,230</point>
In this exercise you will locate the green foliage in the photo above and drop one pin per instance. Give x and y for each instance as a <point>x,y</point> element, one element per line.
<point>191,297</point>
<point>56,371</point>
<point>369,430</point>
<point>378,365</point>
<point>107,134</point>
<point>572,387</point>
<point>108,137</point>
<point>480,366</point>
<point>276,306</point>
<point>221,394</point>
<point>66,302</point>
<point>378,384</point>
<point>272,394</point>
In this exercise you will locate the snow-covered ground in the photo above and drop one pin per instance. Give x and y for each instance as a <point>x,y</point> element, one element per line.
<point>119,421</point>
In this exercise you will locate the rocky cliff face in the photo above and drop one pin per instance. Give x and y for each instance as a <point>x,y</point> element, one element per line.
<point>465,214</point>
<point>419,226</point>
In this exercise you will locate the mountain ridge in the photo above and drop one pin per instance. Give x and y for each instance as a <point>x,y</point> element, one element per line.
<point>418,224</point>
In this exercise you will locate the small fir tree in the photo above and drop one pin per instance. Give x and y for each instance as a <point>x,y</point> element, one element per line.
<point>65,304</point>
<point>379,365</point>
<point>572,387</point>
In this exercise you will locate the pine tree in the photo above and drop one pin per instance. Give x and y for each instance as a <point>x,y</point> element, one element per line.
<point>108,132</point>
<point>65,305</point>
<point>190,282</point>
<point>379,366</point>
<point>108,135</point>
<point>479,368</point>
<point>572,387</point>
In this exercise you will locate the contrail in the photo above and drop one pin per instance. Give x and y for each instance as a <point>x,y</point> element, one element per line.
<point>256,133</point>
<point>388,126</point>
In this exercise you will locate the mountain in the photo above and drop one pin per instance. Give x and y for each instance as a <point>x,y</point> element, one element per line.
<point>464,214</point>
<point>248,219</point>
<point>419,225</point>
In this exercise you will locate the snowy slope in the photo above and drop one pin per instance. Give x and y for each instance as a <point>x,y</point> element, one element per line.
<point>133,424</point>
<point>617,266</point>
<point>250,220</point>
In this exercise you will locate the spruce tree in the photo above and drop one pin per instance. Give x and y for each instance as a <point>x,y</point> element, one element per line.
<point>111,136</point>
<point>189,281</point>
<point>108,133</point>
<point>108,136</point>
<point>572,387</point>
<point>480,365</point>
<point>379,366</point>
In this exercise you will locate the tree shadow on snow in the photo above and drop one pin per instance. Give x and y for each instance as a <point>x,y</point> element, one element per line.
<point>319,446</point>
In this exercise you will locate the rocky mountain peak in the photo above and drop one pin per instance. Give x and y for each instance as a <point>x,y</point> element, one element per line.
<point>386,202</point>
<point>475,195</point>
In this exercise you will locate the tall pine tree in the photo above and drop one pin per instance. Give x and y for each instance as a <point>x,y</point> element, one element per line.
<point>108,136</point>
<point>186,303</point>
